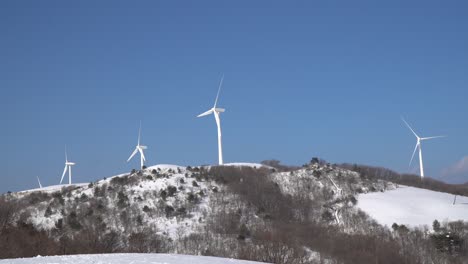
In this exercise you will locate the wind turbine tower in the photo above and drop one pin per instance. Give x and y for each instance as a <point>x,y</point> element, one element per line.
<point>418,147</point>
<point>216,111</point>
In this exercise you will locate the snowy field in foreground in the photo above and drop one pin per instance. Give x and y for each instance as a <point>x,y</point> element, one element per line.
<point>126,258</point>
<point>413,206</point>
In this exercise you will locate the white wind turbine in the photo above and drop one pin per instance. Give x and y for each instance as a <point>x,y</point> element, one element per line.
<point>68,165</point>
<point>216,111</point>
<point>418,146</point>
<point>39,181</point>
<point>139,148</point>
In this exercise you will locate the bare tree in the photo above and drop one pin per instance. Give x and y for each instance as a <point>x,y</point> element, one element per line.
<point>7,213</point>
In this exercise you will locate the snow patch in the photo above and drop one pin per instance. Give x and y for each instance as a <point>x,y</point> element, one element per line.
<point>127,258</point>
<point>246,164</point>
<point>413,206</point>
<point>54,188</point>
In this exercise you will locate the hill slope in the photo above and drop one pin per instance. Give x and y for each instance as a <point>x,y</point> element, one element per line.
<point>413,206</point>
<point>243,211</point>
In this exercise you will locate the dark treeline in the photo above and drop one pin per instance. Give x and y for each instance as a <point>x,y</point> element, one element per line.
<point>370,172</point>
<point>276,164</point>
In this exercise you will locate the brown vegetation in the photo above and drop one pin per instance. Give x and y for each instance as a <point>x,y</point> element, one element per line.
<point>369,172</point>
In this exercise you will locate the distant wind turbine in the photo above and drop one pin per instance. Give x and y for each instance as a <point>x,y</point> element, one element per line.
<point>216,111</point>
<point>68,166</point>
<point>139,148</point>
<point>338,189</point>
<point>39,181</point>
<point>418,146</point>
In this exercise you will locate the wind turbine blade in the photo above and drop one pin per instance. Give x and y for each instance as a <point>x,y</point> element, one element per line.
<point>206,113</point>
<point>133,154</point>
<point>139,134</point>
<point>409,127</point>
<point>219,89</point>
<point>141,153</point>
<point>39,181</point>
<point>66,157</point>
<point>414,152</point>
<point>424,138</point>
<point>63,174</point>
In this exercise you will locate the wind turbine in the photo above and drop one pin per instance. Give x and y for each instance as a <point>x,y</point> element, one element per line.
<point>216,111</point>
<point>418,146</point>
<point>139,148</point>
<point>68,165</point>
<point>39,181</point>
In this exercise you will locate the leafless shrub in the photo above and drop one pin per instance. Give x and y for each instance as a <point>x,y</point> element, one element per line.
<point>8,209</point>
<point>276,164</point>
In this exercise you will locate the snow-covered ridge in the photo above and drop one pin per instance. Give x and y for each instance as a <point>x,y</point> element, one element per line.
<point>127,258</point>
<point>167,198</point>
<point>54,188</point>
<point>413,206</point>
<point>247,164</point>
<point>164,168</point>
<point>176,209</point>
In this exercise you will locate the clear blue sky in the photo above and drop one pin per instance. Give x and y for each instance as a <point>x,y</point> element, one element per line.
<point>302,79</point>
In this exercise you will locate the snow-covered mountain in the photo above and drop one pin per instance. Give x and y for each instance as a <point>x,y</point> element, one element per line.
<point>241,210</point>
<point>162,197</point>
<point>175,200</point>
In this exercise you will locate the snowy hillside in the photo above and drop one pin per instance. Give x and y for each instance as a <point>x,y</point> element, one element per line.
<point>127,258</point>
<point>150,197</point>
<point>241,211</point>
<point>331,188</point>
<point>413,206</point>
<point>175,200</point>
